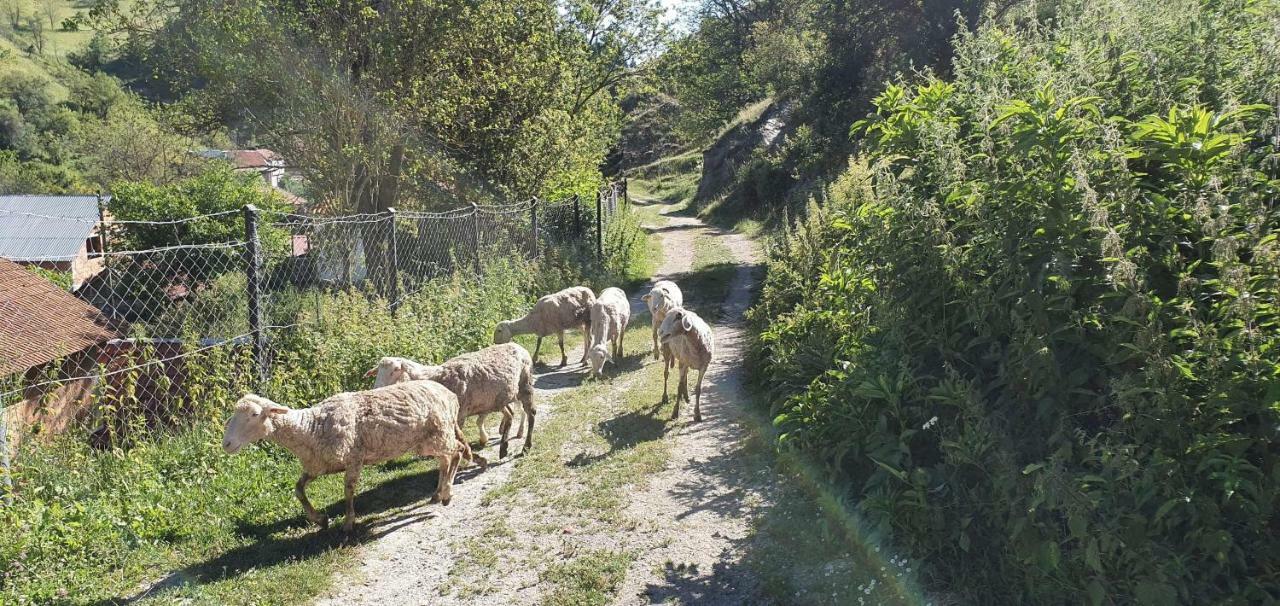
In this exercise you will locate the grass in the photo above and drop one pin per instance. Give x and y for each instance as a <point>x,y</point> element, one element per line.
<point>241,537</point>
<point>587,580</point>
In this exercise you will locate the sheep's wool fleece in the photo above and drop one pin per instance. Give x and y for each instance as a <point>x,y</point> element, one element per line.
<point>560,311</point>
<point>489,379</point>
<point>693,348</point>
<point>609,315</point>
<point>369,427</point>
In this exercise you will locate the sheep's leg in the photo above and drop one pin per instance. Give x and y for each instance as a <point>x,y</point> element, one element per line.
<point>484,437</point>
<point>520,427</point>
<point>529,414</point>
<point>666,372</point>
<point>505,428</point>
<point>564,359</point>
<point>655,338</point>
<point>697,398</point>
<point>300,491</point>
<point>352,479</point>
<point>684,384</point>
<point>536,348</point>
<point>586,341</point>
<point>448,467</point>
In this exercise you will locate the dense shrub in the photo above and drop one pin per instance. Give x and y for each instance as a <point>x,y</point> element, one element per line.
<point>1034,328</point>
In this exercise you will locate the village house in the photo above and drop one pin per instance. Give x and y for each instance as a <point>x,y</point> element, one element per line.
<point>57,233</point>
<point>49,341</point>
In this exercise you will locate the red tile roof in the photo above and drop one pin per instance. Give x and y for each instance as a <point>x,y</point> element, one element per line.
<point>252,158</point>
<point>40,322</point>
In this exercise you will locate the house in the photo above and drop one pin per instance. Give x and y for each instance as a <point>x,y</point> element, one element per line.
<point>50,341</point>
<point>261,161</point>
<point>59,233</point>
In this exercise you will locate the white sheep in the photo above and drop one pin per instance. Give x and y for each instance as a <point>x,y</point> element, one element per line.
<point>609,317</point>
<point>662,298</point>
<point>693,346</point>
<point>392,370</point>
<point>485,381</point>
<point>347,431</point>
<point>552,315</point>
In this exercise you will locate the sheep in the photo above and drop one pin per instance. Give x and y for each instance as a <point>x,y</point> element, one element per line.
<point>392,370</point>
<point>553,314</point>
<point>692,345</point>
<point>662,298</point>
<point>485,381</point>
<point>347,431</point>
<point>609,317</point>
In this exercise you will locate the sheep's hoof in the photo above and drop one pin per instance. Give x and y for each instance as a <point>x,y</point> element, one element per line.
<point>348,526</point>
<point>564,362</point>
<point>435,498</point>
<point>697,418</point>
<point>481,461</point>
<point>322,522</point>
<point>445,501</point>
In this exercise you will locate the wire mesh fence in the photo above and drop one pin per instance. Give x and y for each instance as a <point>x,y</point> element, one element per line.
<point>188,319</point>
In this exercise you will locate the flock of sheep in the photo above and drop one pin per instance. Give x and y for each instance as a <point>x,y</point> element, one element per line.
<point>417,408</point>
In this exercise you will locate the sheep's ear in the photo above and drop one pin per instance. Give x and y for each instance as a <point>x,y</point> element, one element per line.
<point>647,298</point>
<point>398,365</point>
<point>275,409</point>
<point>686,322</point>
<point>371,373</point>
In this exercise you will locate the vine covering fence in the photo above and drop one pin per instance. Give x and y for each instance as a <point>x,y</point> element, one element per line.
<point>162,308</point>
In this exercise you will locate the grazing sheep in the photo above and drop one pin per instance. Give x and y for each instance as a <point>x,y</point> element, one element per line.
<point>552,315</point>
<point>391,370</point>
<point>662,298</point>
<point>347,431</point>
<point>609,317</point>
<point>692,345</point>
<point>485,381</point>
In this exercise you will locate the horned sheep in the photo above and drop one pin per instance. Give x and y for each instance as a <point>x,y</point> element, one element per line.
<point>609,317</point>
<point>485,381</point>
<point>347,431</point>
<point>661,299</point>
<point>692,345</point>
<point>552,315</point>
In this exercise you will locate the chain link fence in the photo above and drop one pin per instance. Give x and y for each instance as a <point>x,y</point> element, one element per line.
<point>163,312</point>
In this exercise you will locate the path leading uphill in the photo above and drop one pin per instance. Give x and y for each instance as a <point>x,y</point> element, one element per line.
<point>617,503</point>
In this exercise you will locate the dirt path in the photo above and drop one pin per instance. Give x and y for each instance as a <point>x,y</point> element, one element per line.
<point>684,527</point>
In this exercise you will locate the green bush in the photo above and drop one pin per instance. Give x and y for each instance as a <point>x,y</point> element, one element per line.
<point>1034,329</point>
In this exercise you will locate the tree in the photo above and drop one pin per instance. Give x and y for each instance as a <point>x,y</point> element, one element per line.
<point>51,8</point>
<point>36,27</point>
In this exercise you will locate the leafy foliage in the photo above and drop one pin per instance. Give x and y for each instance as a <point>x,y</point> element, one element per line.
<point>1033,327</point>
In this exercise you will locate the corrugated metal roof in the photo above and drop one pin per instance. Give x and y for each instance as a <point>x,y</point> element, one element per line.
<point>45,228</point>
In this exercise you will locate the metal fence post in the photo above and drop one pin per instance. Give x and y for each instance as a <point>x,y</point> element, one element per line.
<point>394,271</point>
<point>475,236</point>
<point>533,215</point>
<point>577,216</point>
<point>626,193</point>
<point>599,225</point>
<point>253,274</point>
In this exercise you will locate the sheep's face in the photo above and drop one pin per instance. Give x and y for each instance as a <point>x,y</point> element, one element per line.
<point>502,334</point>
<point>597,357</point>
<point>677,322</point>
<point>389,371</point>
<point>249,422</point>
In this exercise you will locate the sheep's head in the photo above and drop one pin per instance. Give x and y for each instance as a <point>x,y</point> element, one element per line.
<point>389,371</point>
<point>249,422</point>
<point>597,356</point>
<point>502,334</point>
<point>677,322</point>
